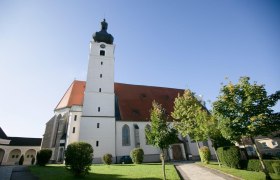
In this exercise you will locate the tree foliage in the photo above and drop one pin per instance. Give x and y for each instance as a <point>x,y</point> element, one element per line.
<point>191,117</point>
<point>78,158</point>
<point>161,134</point>
<point>205,154</point>
<point>245,110</point>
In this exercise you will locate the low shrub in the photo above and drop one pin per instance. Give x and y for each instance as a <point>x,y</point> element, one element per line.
<point>243,164</point>
<point>43,156</point>
<point>137,155</point>
<point>33,160</point>
<point>21,160</point>
<point>229,156</point>
<point>255,165</point>
<point>107,159</point>
<point>276,167</point>
<point>204,154</point>
<point>78,158</point>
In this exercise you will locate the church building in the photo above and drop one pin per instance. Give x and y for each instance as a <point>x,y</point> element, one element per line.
<point>110,116</point>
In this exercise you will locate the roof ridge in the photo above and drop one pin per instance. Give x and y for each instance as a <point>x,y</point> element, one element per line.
<point>70,87</point>
<point>149,86</point>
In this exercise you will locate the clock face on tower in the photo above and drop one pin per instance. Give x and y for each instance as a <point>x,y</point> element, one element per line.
<point>102,46</point>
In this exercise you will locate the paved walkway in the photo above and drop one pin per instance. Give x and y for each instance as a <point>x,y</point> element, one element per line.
<point>6,172</point>
<point>191,171</point>
<point>16,173</point>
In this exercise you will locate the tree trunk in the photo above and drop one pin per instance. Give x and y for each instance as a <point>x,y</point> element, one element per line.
<point>217,157</point>
<point>197,144</point>
<point>162,157</point>
<point>260,158</point>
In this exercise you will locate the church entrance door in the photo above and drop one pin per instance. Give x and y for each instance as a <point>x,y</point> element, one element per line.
<point>177,152</point>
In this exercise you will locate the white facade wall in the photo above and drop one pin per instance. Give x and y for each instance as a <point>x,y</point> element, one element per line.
<point>97,126</point>
<point>104,133</point>
<point>73,123</point>
<point>125,150</point>
<point>193,149</point>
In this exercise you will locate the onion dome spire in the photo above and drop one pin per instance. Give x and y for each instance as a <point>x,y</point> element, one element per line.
<point>102,35</point>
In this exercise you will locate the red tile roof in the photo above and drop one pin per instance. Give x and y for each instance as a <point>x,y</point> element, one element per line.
<point>73,96</point>
<point>134,101</point>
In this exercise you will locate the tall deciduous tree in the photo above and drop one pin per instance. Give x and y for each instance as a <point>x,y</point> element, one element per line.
<point>245,110</point>
<point>161,134</point>
<point>191,118</point>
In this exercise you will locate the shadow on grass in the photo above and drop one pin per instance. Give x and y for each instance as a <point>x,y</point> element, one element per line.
<point>61,173</point>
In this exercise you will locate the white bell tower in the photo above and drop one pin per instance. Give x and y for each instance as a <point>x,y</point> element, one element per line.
<point>97,125</point>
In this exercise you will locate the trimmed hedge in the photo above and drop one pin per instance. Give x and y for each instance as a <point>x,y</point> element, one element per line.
<point>255,165</point>
<point>78,158</point>
<point>137,155</point>
<point>21,160</point>
<point>229,156</point>
<point>43,156</point>
<point>33,160</point>
<point>204,154</point>
<point>107,159</point>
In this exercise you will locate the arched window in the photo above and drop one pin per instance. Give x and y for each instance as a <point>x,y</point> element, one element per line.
<point>149,128</point>
<point>125,135</point>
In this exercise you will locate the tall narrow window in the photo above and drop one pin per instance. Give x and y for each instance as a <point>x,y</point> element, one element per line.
<point>75,117</point>
<point>100,75</point>
<point>97,125</point>
<point>73,130</point>
<point>102,53</point>
<point>99,89</point>
<point>98,109</point>
<point>125,135</point>
<point>101,62</point>
<point>97,143</point>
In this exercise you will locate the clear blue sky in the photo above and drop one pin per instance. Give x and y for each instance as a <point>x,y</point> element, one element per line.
<point>194,44</point>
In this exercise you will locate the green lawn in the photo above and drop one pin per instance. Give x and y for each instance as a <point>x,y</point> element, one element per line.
<point>240,173</point>
<point>115,171</point>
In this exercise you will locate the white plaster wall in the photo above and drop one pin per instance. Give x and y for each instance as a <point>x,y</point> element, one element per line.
<point>105,101</point>
<point>194,149</point>
<point>4,141</point>
<point>94,82</point>
<point>73,137</point>
<point>105,134</point>
<point>95,48</point>
<point>106,83</point>
<point>125,150</point>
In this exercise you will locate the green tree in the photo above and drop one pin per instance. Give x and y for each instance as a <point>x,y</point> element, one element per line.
<point>78,158</point>
<point>44,156</point>
<point>161,134</point>
<point>191,117</point>
<point>245,110</point>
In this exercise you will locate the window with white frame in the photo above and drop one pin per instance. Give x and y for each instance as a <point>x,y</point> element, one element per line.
<point>125,135</point>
